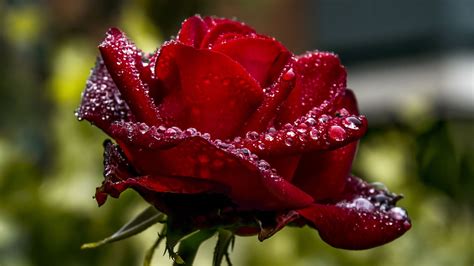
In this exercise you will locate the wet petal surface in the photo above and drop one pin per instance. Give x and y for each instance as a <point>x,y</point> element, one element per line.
<point>102,103</point>
<point>171,152</point>
<point>216,97</point>
<point>320,77</point>
<point>364,217</point>
<point>323,174</point>
<point>263,58</point>
<point>121,58</point>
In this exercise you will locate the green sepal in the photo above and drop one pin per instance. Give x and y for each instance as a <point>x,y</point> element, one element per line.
<point>189,246</point>
<point>176,230</point>
<point>142,221</point>
<point>225,240</point>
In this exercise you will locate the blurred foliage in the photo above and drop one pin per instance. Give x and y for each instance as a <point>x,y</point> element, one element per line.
<point>50,164</point>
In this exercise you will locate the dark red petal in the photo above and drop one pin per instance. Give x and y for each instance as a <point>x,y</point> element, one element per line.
<point>320,77</point>
<point>281,220</point>
<point>192,31</point>
<point>102,103</point>
<point>120,175</point>
<point>207,90</point>
<point>322,174</point>
<point>263,58</point>
<point>223,26</point>
<point>262,118</point>
<point>172,152</point>
<point>366,217</point>
<point>121,57</point>
<point>309,133</point>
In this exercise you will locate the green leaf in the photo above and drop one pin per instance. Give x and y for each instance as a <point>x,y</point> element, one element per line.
<point>189,246</point>
<point>142,221</point>
<point>225,240</point>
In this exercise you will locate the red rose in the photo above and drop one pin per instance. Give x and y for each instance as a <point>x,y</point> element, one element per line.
<point>224,125</point>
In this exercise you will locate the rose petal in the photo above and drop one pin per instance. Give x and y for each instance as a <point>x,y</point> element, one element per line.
<point>322,174</point>
<point>307,134</point>
<point>121,57</point>
<point>368,219</point>
<point>119,175</point>
<point>274,96</point>
<point>171,152</point>
<point>102,103</point>
<point>207,90</point>
<point>219,27</point>
<point>262,57</point>
<point>192,31</point>
<point>320,77</point>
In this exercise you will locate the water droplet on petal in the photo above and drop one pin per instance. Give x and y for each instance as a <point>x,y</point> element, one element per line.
<point>245,151</point>
<point>323,118</point>
<point>363,204</point>
<point>252,135</point>
<point>289,141</point>
<point>314,134</point>
<point>143,128</point>
<point>268,137</point>
<point>206,136</point>
<point>289,75</point>
<point>191,132</point>
<point>379,186</point>
<point>311,121</point>
<point>397,213</point>
<point>302,128</point>
<point>406,225</point>
<point>337,133</point>
<point>352,122</point>
<point>263,165</point>
<point>161,129</point>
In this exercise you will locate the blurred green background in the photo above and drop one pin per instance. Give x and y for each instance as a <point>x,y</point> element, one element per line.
<point>410,63</point>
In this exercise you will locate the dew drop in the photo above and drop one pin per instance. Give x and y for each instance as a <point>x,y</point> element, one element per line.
<point>397,213</point>
<point>143,128</point>
<point>161,129</point>
<point>252,135</point>
<point>363,204</point>
<point>406,225</point>
<point>379,186</point>
<point>172,133</point>
<point>313,133</point>
<point>289,141</point>
<point>311,121</point>
<point>302,128</point>
<point>337,133</point>
<point>352,122</point>
<point>289,75</point>
<point>245,151</point>
<point>206,136</point>
<point>263,165</point>
<point>272,130</point>
<point>191,132</point>
<point>323,118</point>
<point>268,137</point>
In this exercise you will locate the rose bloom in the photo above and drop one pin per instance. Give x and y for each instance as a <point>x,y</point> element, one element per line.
<point>223,126</point>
